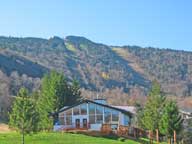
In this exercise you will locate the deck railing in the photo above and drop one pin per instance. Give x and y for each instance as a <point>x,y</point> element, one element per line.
<point>73,126</point>
<point>125,131</point>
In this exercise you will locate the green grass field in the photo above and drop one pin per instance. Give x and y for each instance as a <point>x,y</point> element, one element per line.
<point>59,138</point>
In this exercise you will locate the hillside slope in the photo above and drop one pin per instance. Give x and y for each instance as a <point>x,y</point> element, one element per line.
<point>111,70</point>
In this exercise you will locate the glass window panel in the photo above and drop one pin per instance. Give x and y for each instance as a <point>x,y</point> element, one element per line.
<point>91,108</point>
<point>76,110</point>
<point>69,112</point>
<point>61,114</point>
<point>126,120</point>
<point>99,110</point>
<point>83,109</point>
<point>92,119</point>
<point>114,126</point>
<point>68,120</point>
<point>107,115</point>
<point>115,116</point>
<point>61,120</point>
<point>99,118</point>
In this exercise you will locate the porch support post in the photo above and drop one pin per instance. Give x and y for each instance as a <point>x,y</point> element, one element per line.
<point>103,115</point>
<point>65,123</point>
<point>88,116</point>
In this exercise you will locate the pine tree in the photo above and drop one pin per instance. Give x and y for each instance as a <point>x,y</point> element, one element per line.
<point>75,93</point>
<point>55,94</point>
<point>66,94</point>
<point>46,100</point>
<point>22,116</point>
<point>62,91</point>
<point>49,91</point>
<point>138,122</point>
<point>171,120</point>
<point>152,110</point>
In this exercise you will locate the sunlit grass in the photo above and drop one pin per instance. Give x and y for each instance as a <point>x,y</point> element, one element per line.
<point>59,138</point>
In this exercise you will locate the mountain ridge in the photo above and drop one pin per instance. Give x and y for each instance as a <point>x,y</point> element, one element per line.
<point>100,68</point>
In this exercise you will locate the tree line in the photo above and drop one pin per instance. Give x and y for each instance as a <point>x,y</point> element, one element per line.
<point>159,114</point>
<point>31,112</point>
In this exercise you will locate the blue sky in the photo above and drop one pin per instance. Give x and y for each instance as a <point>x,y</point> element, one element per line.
<point>157,23</point>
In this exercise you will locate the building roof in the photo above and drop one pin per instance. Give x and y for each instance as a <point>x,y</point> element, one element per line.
<point>124,109</point>
<point>184,111</point>
<point>131,109</point>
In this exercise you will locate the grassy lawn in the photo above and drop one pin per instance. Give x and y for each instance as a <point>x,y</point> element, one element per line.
<point>146,141</point>
<point>59,138</point>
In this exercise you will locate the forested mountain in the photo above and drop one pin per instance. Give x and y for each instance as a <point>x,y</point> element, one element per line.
<point>125,72</point>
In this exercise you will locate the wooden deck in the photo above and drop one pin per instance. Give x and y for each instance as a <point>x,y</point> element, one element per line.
<point>125,131</point>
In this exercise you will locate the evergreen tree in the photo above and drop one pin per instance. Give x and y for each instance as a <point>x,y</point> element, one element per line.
<point>152,110</point>
<point>74,93</point>
<point>62,92</point>
<point>55,94</point>
<point>43,121</point>
<point>46,100</point>
<point>22,116</point>
<point>49,91</point>
<point>186,133</point>
<point>139,116</point>
<point>171,120</point>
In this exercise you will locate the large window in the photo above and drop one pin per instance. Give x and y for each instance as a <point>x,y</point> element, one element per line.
<point>92,119</point>
<point>69,112</point>
<point>61,118</point>
<point>99,114</point>
<point>92,113</point>
<point>68,117</point>
<point>68,120</point>
<point>115,116</point>
<point>61,114</point>
<point>107,112</point>
<point>83,109</point>
<point>61,121</point>
<point>76,110</point>
<point>99,118</point>
<point>99,110</point>
<point>91,108</point>
<point>126,120</point>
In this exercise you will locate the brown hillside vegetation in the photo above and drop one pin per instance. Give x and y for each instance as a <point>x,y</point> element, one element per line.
<point>131,59</point>
<point>122,74</point>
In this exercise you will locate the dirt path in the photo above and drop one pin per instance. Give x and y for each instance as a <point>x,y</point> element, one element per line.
<point>4,128</point>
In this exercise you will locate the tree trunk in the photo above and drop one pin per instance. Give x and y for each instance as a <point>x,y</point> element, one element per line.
<point>23,139</point>
<point>169,141</point>
<point>23,135</point>
<point>157,136</point>
<point>151,136</point>
<point>175,138</point>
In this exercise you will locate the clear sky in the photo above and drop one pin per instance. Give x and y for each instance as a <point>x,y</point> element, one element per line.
<point>158,23</point>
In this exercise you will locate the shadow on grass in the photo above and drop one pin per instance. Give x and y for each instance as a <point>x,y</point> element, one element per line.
<point>111,136</point>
